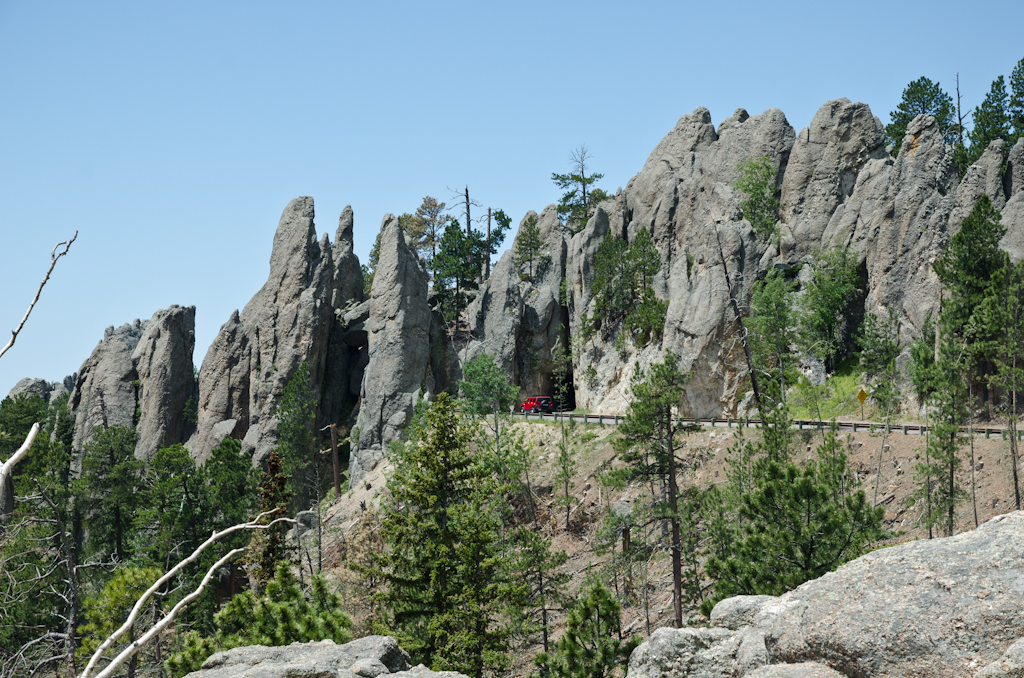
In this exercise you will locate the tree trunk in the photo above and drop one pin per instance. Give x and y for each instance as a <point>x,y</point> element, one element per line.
<point>673,503</point>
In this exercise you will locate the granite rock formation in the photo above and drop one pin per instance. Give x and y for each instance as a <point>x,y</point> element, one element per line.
<point>937,608</point>
<point>518,320</point>
<point>139,375</point>
<point>397,326</point>
<point>288,322</point>
<point>367,657</point>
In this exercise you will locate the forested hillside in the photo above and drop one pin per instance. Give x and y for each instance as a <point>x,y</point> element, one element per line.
<point>347,438</point>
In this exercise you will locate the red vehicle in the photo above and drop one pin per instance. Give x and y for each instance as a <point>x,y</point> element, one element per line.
<point>540,403</point>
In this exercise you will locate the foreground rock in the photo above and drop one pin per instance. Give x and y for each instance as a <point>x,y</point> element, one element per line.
<point>367,657</point>
<point>938,608</point>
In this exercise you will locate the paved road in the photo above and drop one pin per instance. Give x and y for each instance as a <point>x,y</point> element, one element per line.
<point>846,426</point>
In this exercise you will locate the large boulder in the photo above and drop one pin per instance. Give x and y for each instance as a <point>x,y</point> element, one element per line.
<point>936,608</point>
<point>398,338</point>
<point>367,657</point>
<point>256,352</point>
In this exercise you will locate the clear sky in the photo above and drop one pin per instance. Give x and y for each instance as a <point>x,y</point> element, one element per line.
<point>171,135</point>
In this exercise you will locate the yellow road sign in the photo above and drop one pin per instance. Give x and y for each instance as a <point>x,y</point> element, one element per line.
<point>862,396</point>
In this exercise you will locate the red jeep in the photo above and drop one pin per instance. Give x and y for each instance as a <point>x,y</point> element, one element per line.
<point>540,403</point>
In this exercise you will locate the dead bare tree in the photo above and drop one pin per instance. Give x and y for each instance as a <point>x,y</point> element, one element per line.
<point>137,644</point>
<point>54,257</point>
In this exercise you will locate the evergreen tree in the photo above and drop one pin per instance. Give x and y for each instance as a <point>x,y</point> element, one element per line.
<point>110,491</point>
<point>590,647</point>
<point>967,265</point>
<point>427,227</point>
<point>757,183</point>
<point>575,204</point>
<point>773,325</point>
<point>622,289</point>
<point>370,267</point>
<point>1002,315</point>
<point>456,270</point>
<point>172,517</point>
<point>797,524</point>
<point>937,475</point>
<point>822,318</point>
<point>1015,109</point>
<point>296,442</point>
<point>922,96</point>
<point>879,343</point>
<point>283,615</point>
<point>532,561</point>
<point>991,121</point>
<point>528,247</point>
<point>441,565</point>
<point>649,444</point>
<point>267,547</point>
<point>486,391</point>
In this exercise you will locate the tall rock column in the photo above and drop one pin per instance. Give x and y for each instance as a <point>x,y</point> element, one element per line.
<point>398,334</point>
<point>258,350</point>
<point>163,363</point>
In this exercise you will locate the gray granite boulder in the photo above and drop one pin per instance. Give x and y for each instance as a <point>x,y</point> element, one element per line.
<point>397,328</point>
<point>32,387</point>
<point>929,609</point>
<point>367,657</point>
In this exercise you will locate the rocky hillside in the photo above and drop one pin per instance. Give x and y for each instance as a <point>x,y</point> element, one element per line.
<point>371,359</point>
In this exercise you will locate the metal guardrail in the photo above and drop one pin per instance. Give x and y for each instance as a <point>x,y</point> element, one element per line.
<point>803,424</point>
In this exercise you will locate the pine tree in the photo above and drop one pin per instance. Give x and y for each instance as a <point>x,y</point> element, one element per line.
<point>991,121</point>
<point>797,524</point>
<point>267,547</point>
<point>283,615</point>
<point>757,183</point>
<point>1015,109</point>
<point>528,247</point>
<point>922,96</point>
<point>590,647</point>
<point>110,490</point>
<point>967,265</point>
<point>773,325</point>
<point>649,444</point>
<point>441,563</point>
<point>1002,315</point>
<point>486,391</point>
<point>822,317</point>
<point>575,204</point>
<point>296,442</point>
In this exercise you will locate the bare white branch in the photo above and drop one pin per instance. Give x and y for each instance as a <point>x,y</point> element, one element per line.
<point>138,644</point>
<point>8,466</point>
<point>251,525</point>
<point>54,256</point>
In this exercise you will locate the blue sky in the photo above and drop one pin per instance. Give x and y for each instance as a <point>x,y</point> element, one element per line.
<point>171,135</point>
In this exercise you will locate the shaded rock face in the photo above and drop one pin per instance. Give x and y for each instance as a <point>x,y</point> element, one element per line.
<point>397,330</point>
<point>288,322</point>
<point>943,607</point>
<point>139,375</point>
<point>163,363</point>
<point>518,322</point>
<point>367,657</point>
<point>105,393</point>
